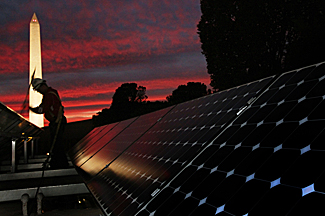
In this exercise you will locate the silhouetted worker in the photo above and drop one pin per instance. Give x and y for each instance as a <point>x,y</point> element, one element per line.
<point>52,108</point>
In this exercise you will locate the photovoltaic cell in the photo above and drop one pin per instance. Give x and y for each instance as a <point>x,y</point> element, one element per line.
<point>13,127</point>
<point>160,153</point>
<point>97,145</point>
<point>256,149</point>
<point>113,143</point>
<point>95,139</point>
<point>84,144</point>
<point>262,157</point>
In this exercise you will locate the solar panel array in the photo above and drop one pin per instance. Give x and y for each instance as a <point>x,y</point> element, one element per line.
<point>256,149</point>
<point>13,126</point>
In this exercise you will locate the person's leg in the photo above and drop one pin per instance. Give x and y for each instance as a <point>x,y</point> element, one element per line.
<point>59,158</point>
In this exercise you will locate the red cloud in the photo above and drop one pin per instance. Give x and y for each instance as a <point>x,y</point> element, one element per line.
<point>79,35</point>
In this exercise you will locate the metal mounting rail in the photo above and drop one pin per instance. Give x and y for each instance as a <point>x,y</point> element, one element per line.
<point>37,174</point>
<point>48,191</point>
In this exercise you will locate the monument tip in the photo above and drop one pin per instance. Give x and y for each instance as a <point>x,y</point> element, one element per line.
<point>34,19</point>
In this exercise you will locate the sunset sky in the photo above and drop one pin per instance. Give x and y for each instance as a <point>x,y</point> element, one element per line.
<point>90,48</point>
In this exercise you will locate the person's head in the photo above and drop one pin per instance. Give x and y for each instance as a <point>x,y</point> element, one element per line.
<point>39,85</point>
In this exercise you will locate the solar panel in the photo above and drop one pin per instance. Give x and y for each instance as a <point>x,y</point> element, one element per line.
<point>256,149</point>
<point>94,135</point>
<point>13,127</point>
<point>268,161</point>
<point>156,156</point>
<point>96,146</point>
<point>116,141</point>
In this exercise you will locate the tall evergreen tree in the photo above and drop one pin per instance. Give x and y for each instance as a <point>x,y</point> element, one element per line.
<point>245,41</point>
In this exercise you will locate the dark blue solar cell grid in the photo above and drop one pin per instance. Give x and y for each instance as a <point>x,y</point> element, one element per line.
<point>159,154</point>
<point>95,144</point>
<point>111,146</point>
<point>90,139</point>
<point>14,125</point>
<point>257,149</point>
<point>268,161</point>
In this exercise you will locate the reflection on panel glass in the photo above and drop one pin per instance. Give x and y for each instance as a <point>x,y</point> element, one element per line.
<point>81,150</point>
<point>90,161</point>
<point>157,155</point>
<point>113,143</point>
<point>268,161</point>
<point>256,149</point>
<point>14,125</point>
<point>84,143</point>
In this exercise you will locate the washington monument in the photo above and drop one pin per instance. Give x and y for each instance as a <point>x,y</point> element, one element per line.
<point>35,64</point>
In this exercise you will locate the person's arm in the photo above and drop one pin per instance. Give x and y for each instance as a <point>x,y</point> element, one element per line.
<point>43,107</point>
<point>38,110</point>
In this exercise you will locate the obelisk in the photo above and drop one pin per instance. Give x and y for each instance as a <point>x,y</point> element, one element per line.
<point>35,64</point>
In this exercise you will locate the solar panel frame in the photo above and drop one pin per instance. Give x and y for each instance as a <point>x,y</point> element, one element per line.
<point>230,208</point>
<point>121,141</point>
<point>84,145</point>
<point>191,139</point>
<point>236,152</point>
<point>81,144</point>
<point>14,125</point>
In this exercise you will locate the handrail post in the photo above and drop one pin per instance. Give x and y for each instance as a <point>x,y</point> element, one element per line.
<point>25,151</point>
<point>13,155</point>
<point>32,148</point>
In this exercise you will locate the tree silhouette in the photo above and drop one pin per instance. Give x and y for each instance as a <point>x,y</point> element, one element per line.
<point>245,41</point>
<point>127,95</point>
<point>187,92</point>
<point>141,94</point>
<point>129,100</point>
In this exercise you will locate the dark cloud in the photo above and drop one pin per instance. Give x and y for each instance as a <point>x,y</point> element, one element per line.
<point>89,48</point>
